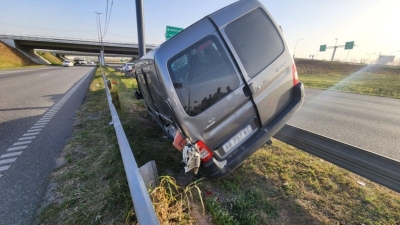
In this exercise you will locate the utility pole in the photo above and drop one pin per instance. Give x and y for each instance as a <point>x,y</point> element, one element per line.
<point>334,50</point>
<point>140,27</point>
<point>294,53</point>
<point>101,39</point>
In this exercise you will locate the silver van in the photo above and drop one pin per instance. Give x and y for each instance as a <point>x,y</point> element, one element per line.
<point>222,87</point>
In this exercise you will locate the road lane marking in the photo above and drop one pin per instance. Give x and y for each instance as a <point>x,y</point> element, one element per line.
<point>34,130</point>
<point>43,75</point>
<point>31,134</point>
<point>26,138</point>
<point>22,143</point>
<point>17,148</point>
<point>4,168</point>
<point>34,127</point>
<point>4,161</point>
<point>10,154</point>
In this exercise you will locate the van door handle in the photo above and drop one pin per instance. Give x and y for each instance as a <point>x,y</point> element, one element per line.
<point>253,88</point>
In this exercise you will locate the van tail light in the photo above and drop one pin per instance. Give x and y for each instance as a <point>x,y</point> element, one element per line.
<point>294,74</point>
<point>205,153</point>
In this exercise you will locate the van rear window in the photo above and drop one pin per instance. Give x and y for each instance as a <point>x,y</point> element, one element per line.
<point>202,75</point>
<point>256,40</point>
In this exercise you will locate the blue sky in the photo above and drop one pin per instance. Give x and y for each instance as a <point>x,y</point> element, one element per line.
<point>372,24</point>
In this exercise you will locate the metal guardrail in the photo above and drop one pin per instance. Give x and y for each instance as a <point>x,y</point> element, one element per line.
<point>86,41</point>
<point>141,201</point>
<point>370,165</point>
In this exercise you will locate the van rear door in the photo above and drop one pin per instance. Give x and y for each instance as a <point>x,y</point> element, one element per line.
<point>261,53</point>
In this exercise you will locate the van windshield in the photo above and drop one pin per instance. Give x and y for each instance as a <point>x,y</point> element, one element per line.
<point>202,75</point>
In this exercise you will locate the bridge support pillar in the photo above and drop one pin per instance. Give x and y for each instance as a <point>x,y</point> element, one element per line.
<point>102,61</point>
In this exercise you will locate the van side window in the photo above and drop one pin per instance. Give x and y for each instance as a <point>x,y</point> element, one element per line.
<point>202,74</point>
<point>256,40</point>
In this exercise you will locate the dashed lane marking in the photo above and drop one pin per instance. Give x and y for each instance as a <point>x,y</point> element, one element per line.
<point>35,129</point>
<point>22,143</point>
<point>17,148</point>
<point>26,138</point>
<point>4,161</point>
<point>10,154</point>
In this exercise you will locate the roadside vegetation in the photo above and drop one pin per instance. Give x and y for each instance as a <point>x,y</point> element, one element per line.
<point>11,58</point>
<point>279,184</point>
<point>356,78</point>
<point>51,58</point>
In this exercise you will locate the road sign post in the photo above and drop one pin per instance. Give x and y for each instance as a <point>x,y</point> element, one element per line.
<point>172,31</point>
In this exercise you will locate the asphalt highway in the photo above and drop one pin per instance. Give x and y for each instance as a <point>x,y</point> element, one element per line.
<point>37,110</point>
<point>368,122</point>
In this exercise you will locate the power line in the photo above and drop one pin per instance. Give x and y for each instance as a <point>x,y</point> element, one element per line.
<point>43,28</point>
<point>105,22</point>
<point>109,18</point>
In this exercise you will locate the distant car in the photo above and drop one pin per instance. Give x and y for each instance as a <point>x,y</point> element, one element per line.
<point>128,67</point>
<point>67,63</point>
<point>82,61</point>
<point>222,87</point>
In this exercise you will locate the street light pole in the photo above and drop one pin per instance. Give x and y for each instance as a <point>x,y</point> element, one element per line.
<point>294,53</point>
<point>101,40</point>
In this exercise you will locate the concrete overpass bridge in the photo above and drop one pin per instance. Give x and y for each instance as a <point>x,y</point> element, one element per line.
<point>27,45</point>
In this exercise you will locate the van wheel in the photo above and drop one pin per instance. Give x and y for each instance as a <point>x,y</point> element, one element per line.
<point>138,95</point>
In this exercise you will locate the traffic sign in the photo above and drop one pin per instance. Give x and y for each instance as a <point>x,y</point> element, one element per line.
<point>349,45</point>
<point>322,48</point>
<point>172,31</point>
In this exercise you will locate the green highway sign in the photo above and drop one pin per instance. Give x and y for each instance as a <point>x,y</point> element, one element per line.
<point>322,48</point>
<point>172,31</point>
<point>349,45</point>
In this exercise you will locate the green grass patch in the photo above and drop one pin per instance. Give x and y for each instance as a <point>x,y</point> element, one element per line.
<point>51,58</point>
<point>279,184</point>
<point>363,79</point>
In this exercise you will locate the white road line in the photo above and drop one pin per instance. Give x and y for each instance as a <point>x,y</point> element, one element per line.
<point>41,126</point>
<point>22,143</point>
<point>50,113</point>
<point>50,116</point>
<point>17,148</point>
<point>44,120</point>
<point>1,175</point>
<point>4,168</point>
<point>31,134</point>
<point>26,138</point>
<point>43,75</point>
<point>34,130</point>
<point>10,154</point>
<point>4,161</point>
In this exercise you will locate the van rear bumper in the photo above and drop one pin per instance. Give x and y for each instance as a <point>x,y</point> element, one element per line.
<point>217,169</point>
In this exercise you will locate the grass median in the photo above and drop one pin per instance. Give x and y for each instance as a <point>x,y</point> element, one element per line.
<point>363,79</point>
<point>279,184</point>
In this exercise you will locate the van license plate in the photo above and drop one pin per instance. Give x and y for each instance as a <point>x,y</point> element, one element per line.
<point>237,138</point>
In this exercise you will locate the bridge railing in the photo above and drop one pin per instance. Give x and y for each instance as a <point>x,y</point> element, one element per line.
<point>70,40</point>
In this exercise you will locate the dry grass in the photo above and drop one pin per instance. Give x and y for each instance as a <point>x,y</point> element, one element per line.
<point>11,58</point>
<point>51,58</point>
